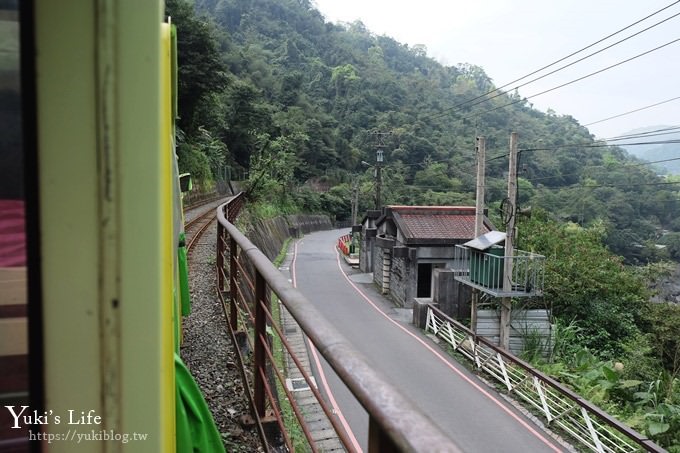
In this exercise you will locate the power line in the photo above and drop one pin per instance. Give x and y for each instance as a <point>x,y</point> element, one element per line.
<point>600,145</point>
<point>457,106</point>
<point>632,111</point>
<point>603,166</point>
<point>595,186</point>
<point>674,131</point>
<point>582,145</point>
<point>501,92</point>
<point>653,132</point>
<point>575,80</point>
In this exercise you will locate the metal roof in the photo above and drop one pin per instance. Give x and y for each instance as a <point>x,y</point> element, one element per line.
<point>485,241</point>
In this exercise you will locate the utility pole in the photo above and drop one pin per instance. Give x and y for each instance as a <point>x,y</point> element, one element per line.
<point>506,302</point>
<point>379,159</point>
<point>479,218</point>
<point>355,199</point>
<point>378,180</point>
<point>481,163</point>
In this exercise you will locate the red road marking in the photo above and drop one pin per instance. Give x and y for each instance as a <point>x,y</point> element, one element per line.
<point>322,375</point>
<point>446,362</point>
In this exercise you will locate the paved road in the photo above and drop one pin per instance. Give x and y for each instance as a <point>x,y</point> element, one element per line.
<point>472,413</point>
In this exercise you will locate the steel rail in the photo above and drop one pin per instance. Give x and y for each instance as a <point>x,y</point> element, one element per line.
<point>200,230</point>
<point>273,404</point>
<point>196,219</point>
<point>395,423</point>
<point>478,349</point>
<point>244,276</point>
<point>293,403</point>
<point>244,305</point>
<point>242,370</point>
<point>342,435</point>
<point>202,202</point>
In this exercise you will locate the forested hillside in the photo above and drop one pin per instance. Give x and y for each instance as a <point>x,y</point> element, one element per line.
<point>268,87</point>
<point>271,93</point>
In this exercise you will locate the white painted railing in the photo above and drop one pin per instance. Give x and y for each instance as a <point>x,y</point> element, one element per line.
<point>559,406</point>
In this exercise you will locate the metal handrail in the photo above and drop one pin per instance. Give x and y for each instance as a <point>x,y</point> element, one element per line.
<point>484,271</point>
<point>395,423</point>
<point>561,406</point>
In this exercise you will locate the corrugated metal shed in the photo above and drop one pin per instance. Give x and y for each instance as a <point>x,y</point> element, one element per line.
<point>534,324</point>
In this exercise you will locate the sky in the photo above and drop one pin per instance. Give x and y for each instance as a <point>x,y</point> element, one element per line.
<point>512,38</point>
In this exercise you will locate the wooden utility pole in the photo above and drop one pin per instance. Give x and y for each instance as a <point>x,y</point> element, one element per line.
<point>481,163</point>
<point>378,183</point>
<point>379,159</point>
<point>506,303</point>
<point>355,200</point>
<point>479,218</point>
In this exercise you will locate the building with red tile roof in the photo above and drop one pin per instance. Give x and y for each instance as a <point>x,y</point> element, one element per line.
<point>404,246</point>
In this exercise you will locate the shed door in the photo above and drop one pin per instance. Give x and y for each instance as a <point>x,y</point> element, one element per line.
<point>426,278</point>
<point>424,288</point>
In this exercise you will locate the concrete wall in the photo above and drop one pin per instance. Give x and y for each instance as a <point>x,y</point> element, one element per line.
<point>366,250</point>
<point>403,283</point>
<point>452,297</point>
<point>269,235</point>
<point>435,252</point>
<point>377,260</point>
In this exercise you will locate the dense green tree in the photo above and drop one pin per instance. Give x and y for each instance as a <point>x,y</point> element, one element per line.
<point>585,282</point>
<point>201,71</point>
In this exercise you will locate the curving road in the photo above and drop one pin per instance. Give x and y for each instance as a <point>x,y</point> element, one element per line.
<point>472,413</point>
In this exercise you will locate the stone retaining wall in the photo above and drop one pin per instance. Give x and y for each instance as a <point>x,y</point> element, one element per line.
<point>269,235</point>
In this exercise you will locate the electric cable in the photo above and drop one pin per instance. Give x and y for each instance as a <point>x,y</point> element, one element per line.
<point>595,145</point>
<point>603,166</point>
<point>575,80</point>
<point>632,111</point>
<point>501,92</point>
<point>557,61</point>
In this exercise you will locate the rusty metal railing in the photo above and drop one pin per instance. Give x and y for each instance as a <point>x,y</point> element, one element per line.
<point>588,424</point>
<point>395,424</point>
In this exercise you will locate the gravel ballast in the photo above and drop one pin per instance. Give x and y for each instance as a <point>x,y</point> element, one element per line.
<point>208,353</point>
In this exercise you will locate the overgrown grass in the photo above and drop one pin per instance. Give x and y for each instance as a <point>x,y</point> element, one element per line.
<point>262,209</point>
<point>290,421</point>
<point>651,406</point>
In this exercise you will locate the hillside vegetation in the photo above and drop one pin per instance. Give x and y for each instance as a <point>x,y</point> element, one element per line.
<point>270,88</point>
<point>667,155</point>
<point>273,94</point>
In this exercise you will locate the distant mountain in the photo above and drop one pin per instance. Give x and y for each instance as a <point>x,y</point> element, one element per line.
<point>656,152</point>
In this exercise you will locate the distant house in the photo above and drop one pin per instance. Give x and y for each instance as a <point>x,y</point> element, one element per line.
<point>405,245</point>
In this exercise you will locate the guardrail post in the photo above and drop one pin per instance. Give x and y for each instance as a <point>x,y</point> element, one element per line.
<point>220,257</point>
<point>260,336</point>
<point>378,440</point>
<point>233,294</point>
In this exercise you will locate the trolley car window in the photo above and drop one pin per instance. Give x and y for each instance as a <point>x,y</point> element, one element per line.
<point>13,281</point>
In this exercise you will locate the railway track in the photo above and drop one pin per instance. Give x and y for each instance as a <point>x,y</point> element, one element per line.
<point>195,228</point>
<point>200,218</point>
<point>203,202</point>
